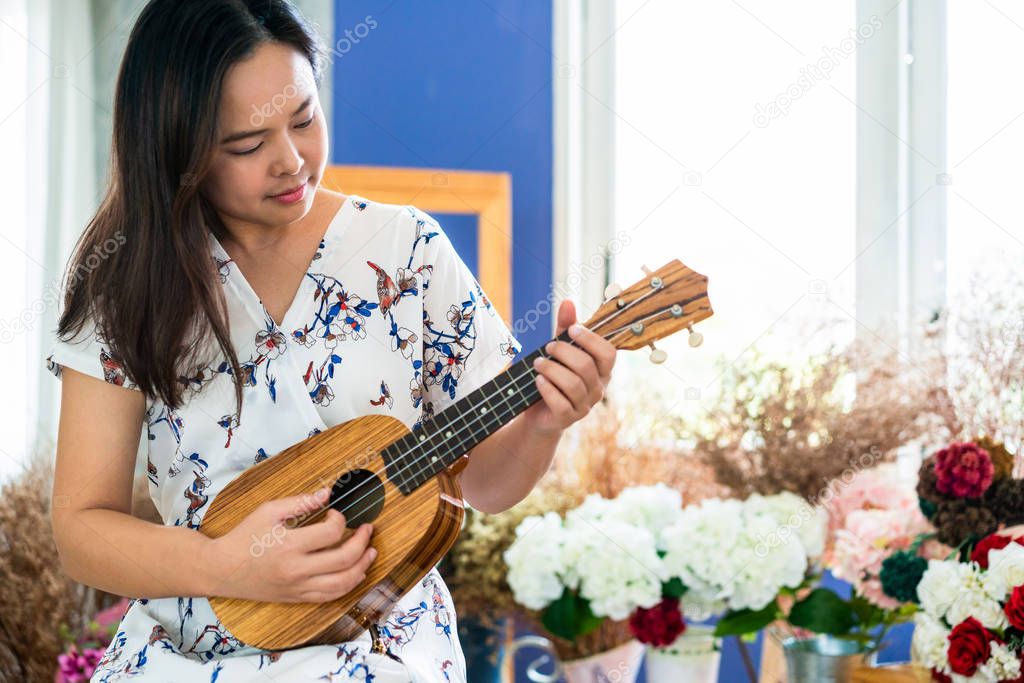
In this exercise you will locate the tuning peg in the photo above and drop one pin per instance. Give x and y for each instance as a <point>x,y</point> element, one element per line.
<point>612,290</point>
<point>647,271</point>
<point>696,338</point>
<point>658,356</point>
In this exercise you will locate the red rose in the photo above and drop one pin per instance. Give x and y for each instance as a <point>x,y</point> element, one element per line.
<point>940,677</point>
<point>992,542</point>
<point>660,625</point>
<point>969,646</point>
<point>1015,608</point>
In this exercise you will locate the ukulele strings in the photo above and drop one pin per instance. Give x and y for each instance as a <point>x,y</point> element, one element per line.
<point>416,463</point>
<point>372,482</point>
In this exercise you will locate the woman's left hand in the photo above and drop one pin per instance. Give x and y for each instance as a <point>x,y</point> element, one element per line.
<point>573,379</point>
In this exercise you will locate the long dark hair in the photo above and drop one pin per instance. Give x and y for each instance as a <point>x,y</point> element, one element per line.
<point>156,297</point>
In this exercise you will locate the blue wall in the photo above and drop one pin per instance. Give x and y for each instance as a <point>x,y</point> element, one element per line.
<point>464,85</point>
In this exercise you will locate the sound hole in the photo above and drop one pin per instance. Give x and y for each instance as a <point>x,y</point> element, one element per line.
<point>359,495</point>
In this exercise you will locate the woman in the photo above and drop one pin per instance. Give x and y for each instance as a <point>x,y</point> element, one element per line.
<point>224,302</point>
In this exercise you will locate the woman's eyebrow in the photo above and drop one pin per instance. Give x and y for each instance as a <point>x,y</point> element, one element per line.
<point>234,137</point>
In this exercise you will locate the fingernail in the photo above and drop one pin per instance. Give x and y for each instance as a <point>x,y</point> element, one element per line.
<point>537,361</point>
<point>322,494</point>
<point>549,347</point>
<point>575,329</point>
<point>373,554</point>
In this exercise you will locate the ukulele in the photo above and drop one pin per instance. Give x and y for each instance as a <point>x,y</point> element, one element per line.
<point>404,482</point>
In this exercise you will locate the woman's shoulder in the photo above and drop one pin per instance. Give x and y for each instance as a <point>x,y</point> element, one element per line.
<point>405,214</point>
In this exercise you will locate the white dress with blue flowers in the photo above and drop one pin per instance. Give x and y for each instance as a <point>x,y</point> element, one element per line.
<point>387,320</point>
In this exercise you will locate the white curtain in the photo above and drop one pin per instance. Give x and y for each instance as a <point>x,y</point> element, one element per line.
<point>49,185</point>
<point>58,70</point>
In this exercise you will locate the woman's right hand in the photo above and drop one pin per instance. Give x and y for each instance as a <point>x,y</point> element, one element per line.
<point>264,558</point>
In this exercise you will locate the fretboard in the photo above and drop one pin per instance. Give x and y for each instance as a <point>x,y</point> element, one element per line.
<point>441,440</point>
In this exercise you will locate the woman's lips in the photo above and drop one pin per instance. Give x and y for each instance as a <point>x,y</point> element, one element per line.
<point>293,195</point>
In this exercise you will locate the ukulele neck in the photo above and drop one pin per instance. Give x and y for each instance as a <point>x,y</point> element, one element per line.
<point>441,440</point>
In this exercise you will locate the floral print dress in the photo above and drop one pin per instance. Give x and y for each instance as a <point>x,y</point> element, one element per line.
<point>388,319</point>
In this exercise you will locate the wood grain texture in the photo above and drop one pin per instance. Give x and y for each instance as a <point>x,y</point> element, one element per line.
<point>680,285</point>
<point>411,534</point>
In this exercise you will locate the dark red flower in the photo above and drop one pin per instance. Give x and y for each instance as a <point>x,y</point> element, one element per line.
<point>970,645</point>
<point>940,677</point>
<point>1014,608</point>
<point>660,625</point>
<point>992,542</point>
<point>964,470</point>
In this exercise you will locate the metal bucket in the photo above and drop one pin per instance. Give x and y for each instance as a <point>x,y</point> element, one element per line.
<point>825,659</point>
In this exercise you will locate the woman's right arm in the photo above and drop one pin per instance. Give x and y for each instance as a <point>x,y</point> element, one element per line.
<point>99,542</point>
<point>102,545</point>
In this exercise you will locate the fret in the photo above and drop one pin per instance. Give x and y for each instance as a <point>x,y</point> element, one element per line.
<point>442,439</point>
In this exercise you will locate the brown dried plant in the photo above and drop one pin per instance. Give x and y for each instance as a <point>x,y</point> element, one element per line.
<point>596,458</point>
<point>975,352</point>
<point>961,376</point>
<point>36,597</point>
<point>775,427</point>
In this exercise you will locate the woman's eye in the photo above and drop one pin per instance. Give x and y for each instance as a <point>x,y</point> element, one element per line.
<point>304,124</point>
<point>248,151</point>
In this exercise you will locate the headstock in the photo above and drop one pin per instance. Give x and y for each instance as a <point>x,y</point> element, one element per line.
<point>667,300</point>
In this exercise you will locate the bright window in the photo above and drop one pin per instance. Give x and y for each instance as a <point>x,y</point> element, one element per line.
<point>986,137</point>
<point>735,154</point>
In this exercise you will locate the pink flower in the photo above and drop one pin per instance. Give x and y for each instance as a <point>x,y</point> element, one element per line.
<point>872,515</point>
<point>879,488</point>
<point>77,667</point>
<point>964,470</point>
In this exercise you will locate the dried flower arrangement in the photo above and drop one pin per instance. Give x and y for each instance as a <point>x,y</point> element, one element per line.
<point>774,427</point>
<point>41,609</point>
<point>35,595</point>
<point>976,354</point>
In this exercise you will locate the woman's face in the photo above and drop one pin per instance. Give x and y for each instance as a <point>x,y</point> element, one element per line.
<point>271,138</point>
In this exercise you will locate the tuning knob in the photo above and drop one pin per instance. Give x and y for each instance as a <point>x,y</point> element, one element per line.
<point>658,356</point>
<point>647,271</point>
<point>696,338</point>
<point>612,290</point>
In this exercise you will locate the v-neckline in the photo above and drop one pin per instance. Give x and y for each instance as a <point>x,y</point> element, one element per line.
<point>247,289</point>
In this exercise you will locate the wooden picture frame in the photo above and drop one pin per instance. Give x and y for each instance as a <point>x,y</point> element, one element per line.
<point>486,195</point>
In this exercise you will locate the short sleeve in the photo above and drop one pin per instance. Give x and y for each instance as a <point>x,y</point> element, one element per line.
<point>89,354</point>
<point>465,341</point>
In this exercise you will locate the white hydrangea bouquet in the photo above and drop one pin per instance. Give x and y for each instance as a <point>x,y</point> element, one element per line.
<point>635,557</point>
<point>970,626</point>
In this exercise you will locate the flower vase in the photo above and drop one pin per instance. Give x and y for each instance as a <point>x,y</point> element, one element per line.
<point>693,657</point>
<point>620,664</point>
<point>825,659</point>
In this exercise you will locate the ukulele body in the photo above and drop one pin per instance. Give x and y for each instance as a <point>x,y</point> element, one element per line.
<point>411,532</point>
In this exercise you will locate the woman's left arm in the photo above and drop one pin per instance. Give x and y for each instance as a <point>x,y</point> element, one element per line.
<point>504,467</point>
